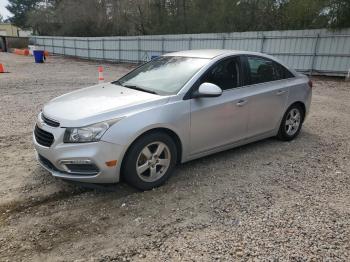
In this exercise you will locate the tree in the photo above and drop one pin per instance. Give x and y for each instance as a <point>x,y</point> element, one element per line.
<point>20,10</point>
<point>339,13</point>
<point>144,17</point>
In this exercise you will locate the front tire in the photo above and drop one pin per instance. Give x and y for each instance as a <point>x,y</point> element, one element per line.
<point>150,161</point>
<point>291,123</point>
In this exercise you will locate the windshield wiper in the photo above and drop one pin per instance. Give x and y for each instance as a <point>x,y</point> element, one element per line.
<point>140,89</point>
<point>134,87</point>
<point>117,83</point>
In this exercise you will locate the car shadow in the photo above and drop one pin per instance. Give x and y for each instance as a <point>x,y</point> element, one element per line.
<point>303,141</point>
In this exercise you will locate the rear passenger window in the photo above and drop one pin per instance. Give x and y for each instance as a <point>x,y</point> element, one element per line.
<point>282,72</point>
<point>263,70</point>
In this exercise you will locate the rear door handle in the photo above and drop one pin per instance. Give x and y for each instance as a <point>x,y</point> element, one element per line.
<point>280,92</point>
<point>241,102</point>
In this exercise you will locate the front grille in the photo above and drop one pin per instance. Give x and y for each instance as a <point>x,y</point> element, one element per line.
<point>42,137</point>
<point>83,168</point>
<point>49,121</point>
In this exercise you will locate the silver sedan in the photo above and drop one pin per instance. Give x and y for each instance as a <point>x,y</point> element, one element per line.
<point>175,108</point>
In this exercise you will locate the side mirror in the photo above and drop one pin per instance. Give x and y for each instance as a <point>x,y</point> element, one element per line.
<point>207,90</point>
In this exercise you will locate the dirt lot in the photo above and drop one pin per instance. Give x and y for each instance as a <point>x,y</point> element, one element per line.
<point>264,201</point>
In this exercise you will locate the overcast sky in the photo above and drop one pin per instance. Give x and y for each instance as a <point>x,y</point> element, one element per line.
<point>3,10</point>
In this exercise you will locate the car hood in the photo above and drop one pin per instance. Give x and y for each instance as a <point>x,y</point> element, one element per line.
<point>99,103</point>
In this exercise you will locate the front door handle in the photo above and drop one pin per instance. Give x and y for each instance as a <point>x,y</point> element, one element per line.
<point>280,92</point>
<point>241,102</point>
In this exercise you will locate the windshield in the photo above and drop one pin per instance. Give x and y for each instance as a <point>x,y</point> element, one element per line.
<point>165,75</point>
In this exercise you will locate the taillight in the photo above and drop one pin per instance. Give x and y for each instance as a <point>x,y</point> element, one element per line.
<point>310,84</point>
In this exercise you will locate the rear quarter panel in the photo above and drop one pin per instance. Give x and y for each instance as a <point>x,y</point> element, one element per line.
<point>299,91</point>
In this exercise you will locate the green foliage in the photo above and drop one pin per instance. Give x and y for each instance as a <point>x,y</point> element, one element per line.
<point>144,17</point>
<point>339,13</point>
<point>20,9</point>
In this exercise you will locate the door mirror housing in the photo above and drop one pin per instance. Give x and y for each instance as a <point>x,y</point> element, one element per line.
<point>207,90</point>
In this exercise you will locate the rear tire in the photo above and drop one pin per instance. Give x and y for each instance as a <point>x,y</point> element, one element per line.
<point>150,161</point>
<point>291,123</point>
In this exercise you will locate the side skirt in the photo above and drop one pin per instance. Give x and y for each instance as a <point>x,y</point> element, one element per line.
<point>230,146</point>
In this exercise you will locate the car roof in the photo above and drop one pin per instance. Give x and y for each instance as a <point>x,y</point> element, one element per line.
<point>210,53</point>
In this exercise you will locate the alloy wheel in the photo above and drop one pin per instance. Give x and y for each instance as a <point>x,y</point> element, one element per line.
<point>153,161</point>
<point>293,121</point>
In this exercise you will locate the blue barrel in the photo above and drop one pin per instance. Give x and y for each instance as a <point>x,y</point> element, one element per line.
<point>38,56</point>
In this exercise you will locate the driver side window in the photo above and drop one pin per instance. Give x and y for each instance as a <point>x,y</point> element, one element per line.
<point>224,74</point>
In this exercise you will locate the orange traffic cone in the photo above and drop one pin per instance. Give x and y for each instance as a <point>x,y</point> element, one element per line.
<point>101,79</point>
<point>2,69</point>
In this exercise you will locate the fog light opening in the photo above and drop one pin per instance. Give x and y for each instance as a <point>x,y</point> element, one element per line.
<point>79,166</point>
<point>76,161</point>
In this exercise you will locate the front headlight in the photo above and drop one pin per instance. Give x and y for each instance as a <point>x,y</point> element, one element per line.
<point>92,133</point>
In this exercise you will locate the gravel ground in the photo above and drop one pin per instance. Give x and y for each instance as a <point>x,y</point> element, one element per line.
<point>270,200</point>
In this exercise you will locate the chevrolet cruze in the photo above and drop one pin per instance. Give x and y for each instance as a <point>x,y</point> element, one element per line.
<point>175,108</point>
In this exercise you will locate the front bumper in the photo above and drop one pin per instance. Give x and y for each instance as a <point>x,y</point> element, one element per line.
<point>98,153</point>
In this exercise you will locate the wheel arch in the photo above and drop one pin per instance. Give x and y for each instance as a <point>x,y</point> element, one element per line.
<point>301,104</point>
<point>171,133</point>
